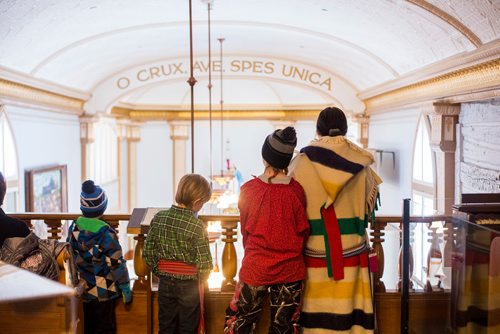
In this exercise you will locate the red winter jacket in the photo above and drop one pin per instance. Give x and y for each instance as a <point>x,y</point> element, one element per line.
<point>275,229</point>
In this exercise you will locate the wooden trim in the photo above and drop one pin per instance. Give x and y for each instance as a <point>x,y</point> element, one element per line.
<point>480,198</point>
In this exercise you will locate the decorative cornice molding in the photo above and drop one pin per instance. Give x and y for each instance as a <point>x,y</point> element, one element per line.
<point>451,20</point>
<point>45,85</point>
<point>476,96</point>
<point>170,115</point>
<point>478,78</point>
<point>205,107</point>
<point>22,93</point>
<point>485,53</point>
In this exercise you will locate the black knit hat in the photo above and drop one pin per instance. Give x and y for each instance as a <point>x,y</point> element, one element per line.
<point>331,122</point>
<point>278,147</point>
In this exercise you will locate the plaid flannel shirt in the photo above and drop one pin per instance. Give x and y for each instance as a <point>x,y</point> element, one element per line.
<point>177,235</point>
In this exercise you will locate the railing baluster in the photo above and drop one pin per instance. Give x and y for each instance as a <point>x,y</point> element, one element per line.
<point>140,266</point>
<point>229,258</point>
<point>410,256</point>
<point>377,239</point>
<point>54,228</point>
<point>449,245</point>
<point>434,261</point>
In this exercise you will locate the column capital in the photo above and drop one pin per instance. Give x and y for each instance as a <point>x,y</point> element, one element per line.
<point>360,118</point>
<point>443,118</point>
<point>128,130</point>
<point>179,130</point>
<point>364,124</point>
<point>446,109</point>
<point>87,129</point>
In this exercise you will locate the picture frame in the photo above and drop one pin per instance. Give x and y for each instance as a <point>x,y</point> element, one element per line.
<point>46,189</point>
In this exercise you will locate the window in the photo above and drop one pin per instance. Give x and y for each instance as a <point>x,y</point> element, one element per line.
<point>423,172</point>
<point>422,199</point>
<point>8,164</point>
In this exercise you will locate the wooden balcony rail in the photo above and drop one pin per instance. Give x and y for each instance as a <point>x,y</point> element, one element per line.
<point>229,224</point>
<point>55,221</point>
<point>377,233</point>
<point>144,297</point>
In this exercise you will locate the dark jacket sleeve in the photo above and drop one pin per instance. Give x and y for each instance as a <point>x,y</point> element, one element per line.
<point>113,251</point>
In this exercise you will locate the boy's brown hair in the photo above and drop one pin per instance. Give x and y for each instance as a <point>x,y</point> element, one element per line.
<point>192,187</point>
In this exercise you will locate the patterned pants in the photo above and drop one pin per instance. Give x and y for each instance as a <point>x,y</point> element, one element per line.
<point>246,305</point>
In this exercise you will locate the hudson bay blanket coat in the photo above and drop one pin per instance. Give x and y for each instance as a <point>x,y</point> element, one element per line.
<point>341,191</point>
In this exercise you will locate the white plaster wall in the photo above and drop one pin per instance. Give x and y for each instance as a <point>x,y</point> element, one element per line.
<point>394,132</point>
<point>43,138</point>
<point>154,166</point>
<point>244,147</point>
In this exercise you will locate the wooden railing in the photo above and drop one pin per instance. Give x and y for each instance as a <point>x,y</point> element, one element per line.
<point>377,233</point>
<point>229,224</point>
<point>55,221</point>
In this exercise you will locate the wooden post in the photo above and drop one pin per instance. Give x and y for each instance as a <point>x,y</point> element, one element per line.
<point>410,257</point>
<point>140,266</point>
<point>54,228</point>
<point>443,118</point>
<point>377,239</point>
<point>229,263</point>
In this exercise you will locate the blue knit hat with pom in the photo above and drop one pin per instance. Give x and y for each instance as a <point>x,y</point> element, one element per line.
<point>278,147</point>
<point>93,200</point>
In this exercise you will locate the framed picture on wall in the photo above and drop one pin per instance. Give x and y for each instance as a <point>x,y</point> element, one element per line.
<point>46,189</point>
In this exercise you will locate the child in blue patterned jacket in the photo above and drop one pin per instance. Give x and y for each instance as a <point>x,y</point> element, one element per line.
<point>99,261</point>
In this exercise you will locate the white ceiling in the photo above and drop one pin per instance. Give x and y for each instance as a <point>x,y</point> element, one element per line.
<point>363,43</point>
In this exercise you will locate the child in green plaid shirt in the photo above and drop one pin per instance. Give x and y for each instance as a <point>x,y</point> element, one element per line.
<point>177,251</point>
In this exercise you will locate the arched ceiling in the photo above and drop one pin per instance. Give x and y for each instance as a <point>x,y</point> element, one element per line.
<point>359,43</point>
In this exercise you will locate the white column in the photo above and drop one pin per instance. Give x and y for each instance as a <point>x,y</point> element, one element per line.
<point>363,123</point>
<point>179,133</point>
<point>133,137</point>
<point>86,141</point>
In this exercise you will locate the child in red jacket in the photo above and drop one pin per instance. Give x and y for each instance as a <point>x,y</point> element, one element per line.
<point>275,229</point>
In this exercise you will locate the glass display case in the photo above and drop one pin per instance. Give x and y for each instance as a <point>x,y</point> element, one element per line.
<point>475,290</point>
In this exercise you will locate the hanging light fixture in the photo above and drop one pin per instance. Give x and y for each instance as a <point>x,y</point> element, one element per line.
<point>209,8</point>
<point>191,81</point>
<point>226,174</point>
<point>222,196</point>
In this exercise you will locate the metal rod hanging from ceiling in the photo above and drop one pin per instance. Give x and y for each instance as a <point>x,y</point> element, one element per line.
<point>192,82</point>
<point>210,91</point>
<point>221,110</point>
